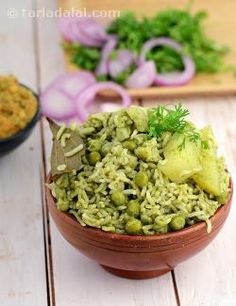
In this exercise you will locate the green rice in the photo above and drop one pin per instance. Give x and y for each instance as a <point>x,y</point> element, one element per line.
<point>87,194</point>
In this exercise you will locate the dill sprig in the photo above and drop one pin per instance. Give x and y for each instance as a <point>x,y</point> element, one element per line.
<point>164,119</point>
<point>173,120</point>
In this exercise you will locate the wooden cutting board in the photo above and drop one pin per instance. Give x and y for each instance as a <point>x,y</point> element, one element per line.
<point>220,25</point>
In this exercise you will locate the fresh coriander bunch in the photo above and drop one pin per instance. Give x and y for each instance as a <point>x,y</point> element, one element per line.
<point>83,57</point>
<point>181,25</point>
<point>185,27</point>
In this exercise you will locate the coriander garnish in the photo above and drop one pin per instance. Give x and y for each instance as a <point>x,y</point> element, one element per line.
<point>173,120</point>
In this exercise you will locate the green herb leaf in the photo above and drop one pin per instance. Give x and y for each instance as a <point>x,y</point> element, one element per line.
<point>205,144</point>
<point>102,78</point>
<point>181,25</point>
<point>163,119</point>
<point>83,57</point>
<point>61,164</point>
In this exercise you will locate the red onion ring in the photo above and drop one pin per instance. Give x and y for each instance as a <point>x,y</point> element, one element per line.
<point>173,78</point>
<point>73,83</point>
<point>123,60</point>
<point>83,30</point>
<point>102,68</point>
<point>56,105</point>
<point>94,30</point>
<point>143,77</point>
<point>88,95</point>
<point>80,37</point>
<point>57,100</point>
<point>64,25</point>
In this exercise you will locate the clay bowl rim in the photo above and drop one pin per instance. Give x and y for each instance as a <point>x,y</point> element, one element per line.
<point>132,238</point>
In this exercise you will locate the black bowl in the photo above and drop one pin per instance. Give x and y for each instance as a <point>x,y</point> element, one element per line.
<point>12,142</point>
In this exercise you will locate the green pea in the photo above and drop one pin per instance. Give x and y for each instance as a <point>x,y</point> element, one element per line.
<point>94,145</point>
<point>146,219</point>
<point>177,223</point>
<point>118,197</point>
<point>94,157</point>
<point>133,226</point>
<point>130,145</point>
<point>133,208</point>
<point>141,179</point>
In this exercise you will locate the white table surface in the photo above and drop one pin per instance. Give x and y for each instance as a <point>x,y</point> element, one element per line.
<point>37,266</point>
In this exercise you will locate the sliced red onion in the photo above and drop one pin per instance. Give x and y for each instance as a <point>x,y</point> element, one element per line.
<point>123,60</point>
<point>74,83</point>
<point>81,38</point>
<point>65,28</point>
<point>94,30</point>
<point>87,97</point>
<point>142,77</point>
<point>175,78</point>
<point>86,31</point>
<point>102,68</point>
<point>57,100</point>
<point>57,105</point>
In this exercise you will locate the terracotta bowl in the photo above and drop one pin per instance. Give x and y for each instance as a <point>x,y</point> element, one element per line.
<point>136,257</point>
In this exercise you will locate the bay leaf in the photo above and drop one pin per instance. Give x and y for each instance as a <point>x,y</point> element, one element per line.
<point>58,157</point>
